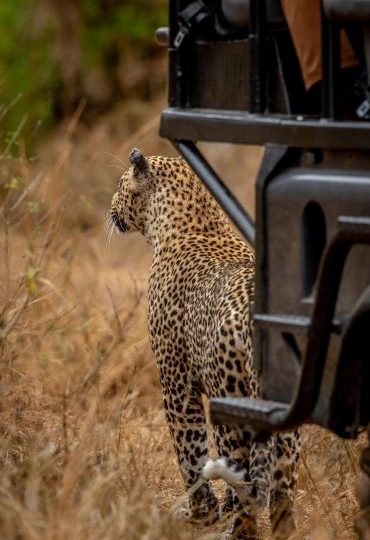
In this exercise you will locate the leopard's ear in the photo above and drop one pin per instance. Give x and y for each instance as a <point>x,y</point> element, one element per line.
<point>139,163</point>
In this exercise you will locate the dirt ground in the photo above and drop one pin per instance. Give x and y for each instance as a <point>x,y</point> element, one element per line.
<point>85,451</point>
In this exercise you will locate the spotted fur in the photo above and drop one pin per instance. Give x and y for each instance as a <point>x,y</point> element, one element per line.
<point>200,324</point>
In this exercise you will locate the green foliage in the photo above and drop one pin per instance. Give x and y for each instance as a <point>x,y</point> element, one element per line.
<point>27,69</point>
<point>31,84</point>
<point>121,26</point>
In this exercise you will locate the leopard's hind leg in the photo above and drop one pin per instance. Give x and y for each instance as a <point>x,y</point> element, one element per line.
<point>287,448</point>
<point>186,420</point>
<point>234,470</point>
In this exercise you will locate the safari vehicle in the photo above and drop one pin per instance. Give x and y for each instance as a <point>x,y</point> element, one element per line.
<point>234,77</point>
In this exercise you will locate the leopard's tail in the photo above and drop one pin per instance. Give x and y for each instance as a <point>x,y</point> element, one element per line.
<point>251,485</point>
<point>234,475</point>
<point>223,468</point>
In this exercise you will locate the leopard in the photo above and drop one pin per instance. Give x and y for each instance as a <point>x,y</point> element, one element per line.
<point>200,315</point>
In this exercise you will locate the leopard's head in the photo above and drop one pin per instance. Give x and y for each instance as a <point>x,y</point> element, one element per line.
<point>160,196</point>
<point>129,203</point>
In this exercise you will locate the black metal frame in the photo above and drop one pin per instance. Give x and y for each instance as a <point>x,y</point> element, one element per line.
<point>288,136</point>
<point>180,122</point>
<point>186,125</point>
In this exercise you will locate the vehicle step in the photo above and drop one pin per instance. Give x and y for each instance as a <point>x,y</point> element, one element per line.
<point>288,323</point>
<point>244,411</point>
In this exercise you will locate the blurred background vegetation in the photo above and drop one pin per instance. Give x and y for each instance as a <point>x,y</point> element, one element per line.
<point>56,54</point>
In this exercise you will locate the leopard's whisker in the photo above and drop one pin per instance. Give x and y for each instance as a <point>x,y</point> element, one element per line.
<point>116,167</point>
<point>112,229</point>
<point>109,232</point>
<point>107,224</point>
<point>116,158</point>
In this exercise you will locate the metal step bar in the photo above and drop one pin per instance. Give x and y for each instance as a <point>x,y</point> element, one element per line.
<point>288,323</point>
<point>238,127</point>
<point>271,416</point>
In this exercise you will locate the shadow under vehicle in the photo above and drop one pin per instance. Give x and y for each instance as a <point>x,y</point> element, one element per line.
<point>234,77</point>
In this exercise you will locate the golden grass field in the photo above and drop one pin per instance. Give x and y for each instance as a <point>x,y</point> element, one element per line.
<point>85,453</point>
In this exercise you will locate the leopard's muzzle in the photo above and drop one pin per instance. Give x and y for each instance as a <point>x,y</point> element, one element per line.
<point>119,223</point>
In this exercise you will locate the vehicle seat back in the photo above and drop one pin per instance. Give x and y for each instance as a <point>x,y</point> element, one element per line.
<point>348,10</point>
<point>237,13</point>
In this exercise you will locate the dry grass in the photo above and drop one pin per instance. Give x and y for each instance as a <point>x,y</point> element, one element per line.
<point>84,451</point>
